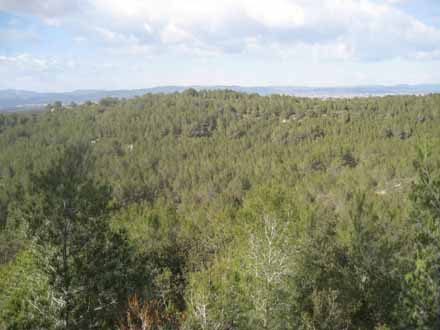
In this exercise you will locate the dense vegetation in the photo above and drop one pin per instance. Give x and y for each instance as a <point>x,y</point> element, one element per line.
<point>221,210</point>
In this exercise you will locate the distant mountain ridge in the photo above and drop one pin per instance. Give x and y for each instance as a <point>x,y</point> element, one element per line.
<point>11,99</point>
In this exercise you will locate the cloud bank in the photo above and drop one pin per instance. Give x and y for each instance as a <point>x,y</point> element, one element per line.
<point>312,31</point>
<point>333,29</point>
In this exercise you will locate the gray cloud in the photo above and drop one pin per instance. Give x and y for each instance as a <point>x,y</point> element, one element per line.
<point>43,8</point>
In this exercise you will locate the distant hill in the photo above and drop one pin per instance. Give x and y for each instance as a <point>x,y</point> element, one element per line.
<point>14,100</point>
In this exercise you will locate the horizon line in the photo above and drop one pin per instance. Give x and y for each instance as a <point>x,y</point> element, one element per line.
<point>225,86</point>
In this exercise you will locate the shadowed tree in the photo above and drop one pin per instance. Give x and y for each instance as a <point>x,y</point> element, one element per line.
<point>88,265</point>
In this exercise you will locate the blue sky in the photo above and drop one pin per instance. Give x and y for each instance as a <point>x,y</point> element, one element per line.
<point>59,45</point>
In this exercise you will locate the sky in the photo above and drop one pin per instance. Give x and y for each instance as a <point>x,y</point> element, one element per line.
<point>63,45</point>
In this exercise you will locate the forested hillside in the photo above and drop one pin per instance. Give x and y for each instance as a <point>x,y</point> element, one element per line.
<point>222,210</point>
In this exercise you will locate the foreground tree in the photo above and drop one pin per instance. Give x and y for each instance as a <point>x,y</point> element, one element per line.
<point>87,264</point>
<point>422,299</point>
<point>269,268</point>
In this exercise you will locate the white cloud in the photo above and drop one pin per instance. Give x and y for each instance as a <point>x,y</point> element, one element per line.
<point>364,30</point>
<point>173,34</point>
<point>395,1</point>
<point>25,61</point>
<point>428,55</point>
<point>80,39</point>
<point>276,14</point>
<point>339,29</point>
<point>52,21</point>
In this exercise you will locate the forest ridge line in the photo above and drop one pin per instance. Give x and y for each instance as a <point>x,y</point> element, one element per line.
<point>15,99</point>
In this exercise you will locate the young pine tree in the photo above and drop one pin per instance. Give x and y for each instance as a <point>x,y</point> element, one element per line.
<point>87,264</point>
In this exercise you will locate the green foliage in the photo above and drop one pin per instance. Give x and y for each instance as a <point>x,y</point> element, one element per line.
<point>422,299</point>
<point>153,231</point>
<point>26,298</point>
<point>223,210</point>
<point>85,261</point>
